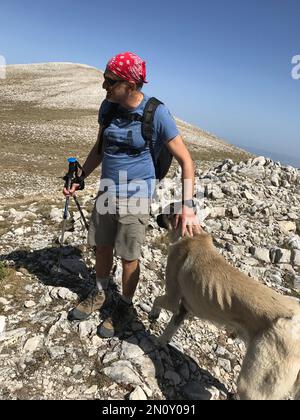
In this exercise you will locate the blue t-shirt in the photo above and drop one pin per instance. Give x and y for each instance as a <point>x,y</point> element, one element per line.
<point>124,172</point>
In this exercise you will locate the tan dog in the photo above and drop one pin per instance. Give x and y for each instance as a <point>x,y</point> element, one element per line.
<point>199,281</point>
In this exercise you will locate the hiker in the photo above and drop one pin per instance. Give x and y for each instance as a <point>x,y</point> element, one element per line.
<point>121,147</point>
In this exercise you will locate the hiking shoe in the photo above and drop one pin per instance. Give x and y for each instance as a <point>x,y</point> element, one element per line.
<point>93,302</point>
<point>120,320</point>
<point>106,328</point>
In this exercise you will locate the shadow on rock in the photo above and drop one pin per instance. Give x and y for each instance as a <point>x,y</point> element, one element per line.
<point>177,375</point>
<point>58,267</point>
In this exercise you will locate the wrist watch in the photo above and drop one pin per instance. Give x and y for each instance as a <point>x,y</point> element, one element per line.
<point>189,203</point>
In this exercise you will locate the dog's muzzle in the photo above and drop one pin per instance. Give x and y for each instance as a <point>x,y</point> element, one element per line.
<point>161,221</point>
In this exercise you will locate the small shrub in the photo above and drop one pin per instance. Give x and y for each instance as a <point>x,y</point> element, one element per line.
<point>3,271</point>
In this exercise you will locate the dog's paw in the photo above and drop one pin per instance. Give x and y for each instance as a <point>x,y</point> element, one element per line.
<point>231,333</point>
<point>232,396</point>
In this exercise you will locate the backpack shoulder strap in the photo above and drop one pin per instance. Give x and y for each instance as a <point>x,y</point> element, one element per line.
<point>148,118</point>
<point>107,119</point>
<point>163,162</point>
<point>109,116</point>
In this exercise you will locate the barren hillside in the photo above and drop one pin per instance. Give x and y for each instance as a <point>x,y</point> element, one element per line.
<point>49,112</point>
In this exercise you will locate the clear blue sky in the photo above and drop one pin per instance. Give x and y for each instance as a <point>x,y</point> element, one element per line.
<point>224,65</point>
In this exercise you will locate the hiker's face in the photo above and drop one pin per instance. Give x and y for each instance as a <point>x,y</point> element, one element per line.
<point>116,88</point>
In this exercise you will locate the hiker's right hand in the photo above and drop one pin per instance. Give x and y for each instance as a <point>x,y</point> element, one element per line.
<point>72,191</point>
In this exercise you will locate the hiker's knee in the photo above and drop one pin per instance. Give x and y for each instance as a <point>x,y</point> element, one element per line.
<point>130,263</point>
<point>104,250</point>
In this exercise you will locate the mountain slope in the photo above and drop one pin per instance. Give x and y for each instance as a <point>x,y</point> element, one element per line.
<point>49,112</point>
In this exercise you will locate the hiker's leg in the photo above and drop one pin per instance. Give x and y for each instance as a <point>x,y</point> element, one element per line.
<point>96,298</point>
<point>130,277</point>
<point>102,233</point>
<point>104,261</point>
<point>129,239</point>
<point>123,314</point>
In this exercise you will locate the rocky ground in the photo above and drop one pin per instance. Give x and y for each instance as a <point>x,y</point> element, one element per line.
<point>251,209</point>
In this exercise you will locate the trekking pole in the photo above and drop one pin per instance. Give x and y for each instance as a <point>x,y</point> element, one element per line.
<point>68,178</point>
<point>81,212</point>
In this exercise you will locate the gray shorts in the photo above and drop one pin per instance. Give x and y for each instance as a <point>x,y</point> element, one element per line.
<point>120,227</point>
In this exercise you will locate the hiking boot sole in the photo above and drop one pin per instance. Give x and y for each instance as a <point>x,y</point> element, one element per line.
<point>76,315</point>
<point>104,332</point>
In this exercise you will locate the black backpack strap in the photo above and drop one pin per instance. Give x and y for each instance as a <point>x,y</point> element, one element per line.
<point>109,116</point>
<point>129,117</point>
<point>163,162</point>
<point>107,119</point>
<point>147,123</point>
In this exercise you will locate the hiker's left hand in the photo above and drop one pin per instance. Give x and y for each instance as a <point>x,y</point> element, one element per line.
<point>72,191</point>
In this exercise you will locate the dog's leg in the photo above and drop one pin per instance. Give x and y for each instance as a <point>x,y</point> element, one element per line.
<point>297,388</point>
<point>173,326</point>
<point>156,308</point>
<point>268,371</point>
<point>161,302</point>
<point>271,383</point>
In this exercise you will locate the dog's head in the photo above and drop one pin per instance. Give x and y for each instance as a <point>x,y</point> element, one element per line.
<point>166,219</point>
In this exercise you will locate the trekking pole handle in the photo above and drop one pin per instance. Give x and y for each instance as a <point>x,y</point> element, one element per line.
<point>68,178</point>
<point>72,176</point>
<point>73,165</point>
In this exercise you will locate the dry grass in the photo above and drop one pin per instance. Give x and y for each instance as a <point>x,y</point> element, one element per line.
<point>219,155</point>
<point>21,112</point>
<point>16,284</point>
<point>3,271</point>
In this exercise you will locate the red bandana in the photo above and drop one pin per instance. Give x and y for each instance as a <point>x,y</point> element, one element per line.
<point>128,66</point>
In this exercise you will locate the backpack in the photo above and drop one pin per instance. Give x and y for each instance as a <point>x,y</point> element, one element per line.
<point>163,162</point>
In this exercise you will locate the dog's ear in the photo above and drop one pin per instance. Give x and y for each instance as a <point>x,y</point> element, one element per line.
<point>161,221</point>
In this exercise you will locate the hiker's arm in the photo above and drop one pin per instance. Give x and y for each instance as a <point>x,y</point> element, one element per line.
<point>94,158</point>
<point>178,149</point>
<point>189,220</point>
